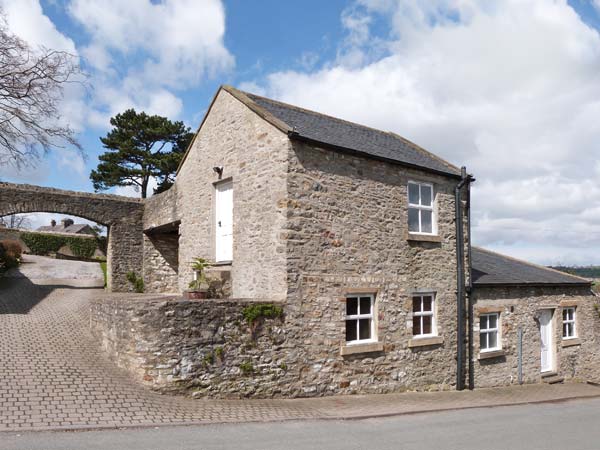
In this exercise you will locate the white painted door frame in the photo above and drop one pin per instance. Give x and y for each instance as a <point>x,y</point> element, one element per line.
<point>547,340</point>
<point>224,221</point>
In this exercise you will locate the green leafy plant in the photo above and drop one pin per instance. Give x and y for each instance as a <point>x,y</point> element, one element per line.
<point>253,313</point>
<point>219,352</point>
<point>209,358</point>
<point>104,269</point>
<point>136,281</point>
<point>247,368</point>
<point>199,265</point>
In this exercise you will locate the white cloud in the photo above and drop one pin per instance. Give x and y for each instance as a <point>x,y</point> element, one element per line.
<point>27,20</point>
<point>182,39</point>
<point>508,88</point>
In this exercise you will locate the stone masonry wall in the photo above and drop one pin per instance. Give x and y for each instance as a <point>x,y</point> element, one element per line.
<point>347,231</point>
<point>197,347</point>
<point>519,307</point>
<point>253,155</point>
<point>161,247</point>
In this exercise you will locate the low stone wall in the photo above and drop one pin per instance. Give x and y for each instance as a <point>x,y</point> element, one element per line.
<point>199,347</point>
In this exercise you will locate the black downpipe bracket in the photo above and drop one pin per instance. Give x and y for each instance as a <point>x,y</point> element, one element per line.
<point>460,281</point>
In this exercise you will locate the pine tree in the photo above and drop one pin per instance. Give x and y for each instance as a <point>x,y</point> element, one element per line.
<point>139,147</point>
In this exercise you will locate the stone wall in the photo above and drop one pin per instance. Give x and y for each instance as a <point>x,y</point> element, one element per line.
<point>161,243</point>
<point>519,307</point>
<point>204,347</point>
<point>347,231</point>
<point>161,262</point>
<point>161,209</point>
<point>253,155</point>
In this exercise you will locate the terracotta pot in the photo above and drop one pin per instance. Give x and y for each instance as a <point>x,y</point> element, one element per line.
<point>195,295</point>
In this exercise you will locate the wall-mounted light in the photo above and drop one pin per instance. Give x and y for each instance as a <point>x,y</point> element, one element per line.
<point>218,170</point>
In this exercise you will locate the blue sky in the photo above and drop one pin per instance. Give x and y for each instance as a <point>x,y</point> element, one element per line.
<point>506,87</point>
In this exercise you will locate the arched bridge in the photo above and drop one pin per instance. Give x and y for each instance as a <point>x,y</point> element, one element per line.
<point>122,215</point>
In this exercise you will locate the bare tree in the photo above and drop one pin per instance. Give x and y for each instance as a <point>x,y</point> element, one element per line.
<point>31,88</point>
<point>15,221</point>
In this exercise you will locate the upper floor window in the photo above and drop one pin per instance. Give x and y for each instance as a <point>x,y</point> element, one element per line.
<point>569,330</point>
<point>489,339</point>
<point>360,326</point>
<point>420,208</point>
<point>423,315</point>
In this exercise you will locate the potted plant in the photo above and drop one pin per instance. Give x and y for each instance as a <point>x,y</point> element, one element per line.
<point>199,286</point>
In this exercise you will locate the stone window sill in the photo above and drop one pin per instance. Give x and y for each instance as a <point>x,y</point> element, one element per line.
<point>425,342</point>
<point>570,342</point>
<point>361,348</point>
<point>489,355</point>
<point>221,263</point>
<point>415,237</point>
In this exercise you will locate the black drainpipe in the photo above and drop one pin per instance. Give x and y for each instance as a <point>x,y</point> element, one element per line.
<point>460,280</point>
<point>470,288</point>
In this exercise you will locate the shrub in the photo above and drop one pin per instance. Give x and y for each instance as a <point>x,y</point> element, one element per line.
<point>12,248</point>
<point>136,281</point>
<point>43,244</point>
<point>252,313</point>
<point>10,254</point>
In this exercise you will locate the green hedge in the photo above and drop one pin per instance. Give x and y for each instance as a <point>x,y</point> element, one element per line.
<point>43,244</point>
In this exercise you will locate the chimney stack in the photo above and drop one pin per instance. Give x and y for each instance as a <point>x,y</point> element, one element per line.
<point>67,222</point>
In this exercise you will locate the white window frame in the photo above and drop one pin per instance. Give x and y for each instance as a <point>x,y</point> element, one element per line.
<point>571,321</point>
<point>422,314</point>
<point>357,317</point>
<point>487,331</point>
<point>419,207</point>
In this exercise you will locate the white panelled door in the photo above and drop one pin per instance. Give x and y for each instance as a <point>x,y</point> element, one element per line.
<point>224,222</point>
<point>546,337</point>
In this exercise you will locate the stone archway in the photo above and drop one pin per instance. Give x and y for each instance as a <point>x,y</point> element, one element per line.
<point>122,215</point>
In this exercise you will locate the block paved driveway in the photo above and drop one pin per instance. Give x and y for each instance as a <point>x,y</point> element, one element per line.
<point>53,374</point>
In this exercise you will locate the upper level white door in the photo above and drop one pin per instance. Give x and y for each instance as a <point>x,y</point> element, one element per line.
<point>546,338</point>
<point>224,222</point>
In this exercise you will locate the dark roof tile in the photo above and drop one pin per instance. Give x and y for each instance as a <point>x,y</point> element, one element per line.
<point>490,268</point>
<point>331,131</point>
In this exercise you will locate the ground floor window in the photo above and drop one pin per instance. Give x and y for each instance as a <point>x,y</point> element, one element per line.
<point>360,326</point>
<point>488,332</point>
<point>423,315</point>
<point>569,330</point>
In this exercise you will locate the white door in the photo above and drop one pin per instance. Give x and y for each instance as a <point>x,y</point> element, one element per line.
<point>546,337</point>
<point>224,222</point>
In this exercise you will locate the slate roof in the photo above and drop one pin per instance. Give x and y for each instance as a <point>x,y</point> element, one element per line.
<point>339,134</point>
<point>493,269</point>
<point>76,228</point>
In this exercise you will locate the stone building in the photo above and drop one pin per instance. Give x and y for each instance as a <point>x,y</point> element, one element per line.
<point>346,267</point>
<point>353,231</point>
<point>67,226</point>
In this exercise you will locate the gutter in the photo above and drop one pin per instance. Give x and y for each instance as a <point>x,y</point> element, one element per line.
<point>460,277</point>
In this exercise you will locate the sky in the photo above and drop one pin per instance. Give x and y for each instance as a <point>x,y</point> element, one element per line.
<point>510,89</point>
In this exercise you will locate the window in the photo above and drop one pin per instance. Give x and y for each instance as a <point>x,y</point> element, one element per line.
<point>423,315</point>
<point>420,208</point>
<point>360,326</point>
<point>569,330</point>
<point>488,332</point>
